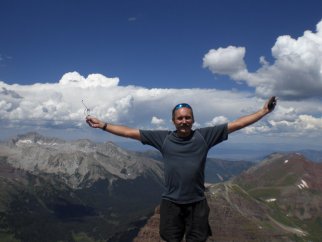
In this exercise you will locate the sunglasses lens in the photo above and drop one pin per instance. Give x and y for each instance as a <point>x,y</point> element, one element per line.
<point>182,105</point>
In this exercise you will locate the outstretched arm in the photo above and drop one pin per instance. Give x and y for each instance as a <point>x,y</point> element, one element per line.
<point>252,118</point>
<point>114,129</point>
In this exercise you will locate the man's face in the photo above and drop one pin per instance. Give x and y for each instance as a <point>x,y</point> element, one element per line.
<point>183,121</point>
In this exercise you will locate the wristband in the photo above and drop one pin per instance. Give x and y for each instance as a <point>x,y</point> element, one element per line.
<point>105,125</point>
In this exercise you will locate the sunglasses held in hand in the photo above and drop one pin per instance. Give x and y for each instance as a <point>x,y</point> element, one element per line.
<point>86,110</point>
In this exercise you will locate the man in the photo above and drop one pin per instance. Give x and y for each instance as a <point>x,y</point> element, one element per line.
<point>184,210</point>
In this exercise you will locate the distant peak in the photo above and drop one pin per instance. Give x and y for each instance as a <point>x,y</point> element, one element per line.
<point>35,138</point>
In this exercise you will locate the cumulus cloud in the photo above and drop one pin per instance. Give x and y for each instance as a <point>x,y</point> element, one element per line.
<point>62,103</point>
<point>74,79</point>
<point>59,105</point>
<point>305,126</point>
<point>9,100</point>
<point>225,61</point>
<point>295,74</point>
<point>159,123</point>
<point>217,120</point>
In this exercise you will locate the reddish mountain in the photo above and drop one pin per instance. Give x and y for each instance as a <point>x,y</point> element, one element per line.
<point>280,199</point>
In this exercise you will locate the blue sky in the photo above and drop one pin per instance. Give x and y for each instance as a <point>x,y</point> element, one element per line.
<point>131,61</point>
<point>148,43</point>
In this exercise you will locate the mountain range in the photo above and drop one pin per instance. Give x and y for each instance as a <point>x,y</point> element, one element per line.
<point>54,190</point>
<point>57,190</point>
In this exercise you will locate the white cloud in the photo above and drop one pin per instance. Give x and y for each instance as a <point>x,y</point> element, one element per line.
<point>255,129</point>
<point>58,107</point>
<point>52,104</point>
<point>74,79</point>
<point>217,120</point>
<point>157,121</point>
<point>225,61</point>
<point>303,124</point>
<point>295,74</point>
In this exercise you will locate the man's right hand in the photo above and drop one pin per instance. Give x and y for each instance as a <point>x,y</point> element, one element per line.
<point>94,122</point>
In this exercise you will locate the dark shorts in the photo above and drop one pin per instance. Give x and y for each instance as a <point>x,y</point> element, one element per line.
<point>191,220</point>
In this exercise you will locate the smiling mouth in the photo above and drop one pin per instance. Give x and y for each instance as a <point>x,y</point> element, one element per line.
<point>184,130</point>
<point>185,127</point>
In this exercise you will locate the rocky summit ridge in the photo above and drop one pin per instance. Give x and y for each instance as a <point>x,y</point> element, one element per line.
<point>279,199</point>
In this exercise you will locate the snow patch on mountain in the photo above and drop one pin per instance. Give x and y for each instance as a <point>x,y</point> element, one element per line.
<point>302,185</point>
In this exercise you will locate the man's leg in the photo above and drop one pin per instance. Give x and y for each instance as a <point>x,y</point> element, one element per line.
<point>198,229</point>
<point>171,222</point>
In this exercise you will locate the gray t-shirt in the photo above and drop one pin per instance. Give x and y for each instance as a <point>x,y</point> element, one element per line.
<point>184,160</point>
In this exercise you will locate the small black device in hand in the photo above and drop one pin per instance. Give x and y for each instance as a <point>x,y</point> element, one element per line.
<point>272,103</point>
